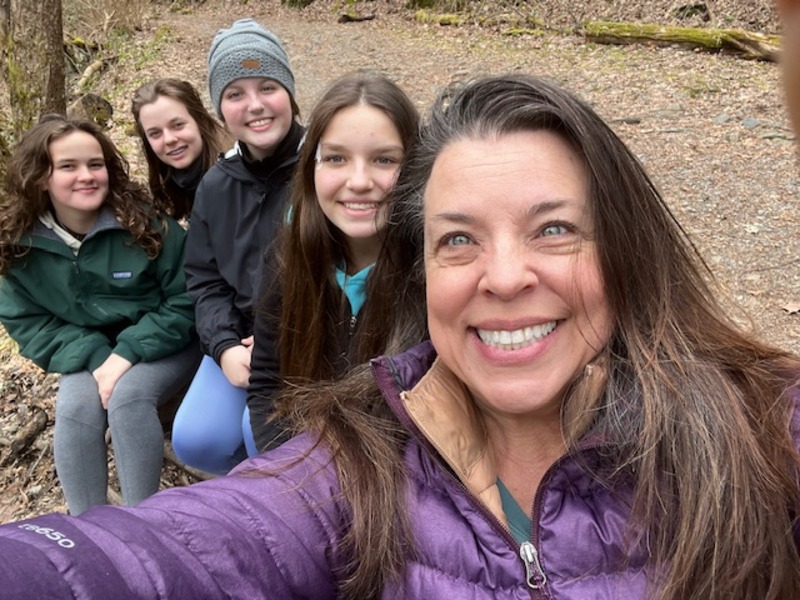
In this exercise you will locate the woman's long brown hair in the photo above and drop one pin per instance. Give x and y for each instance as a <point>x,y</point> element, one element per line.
<point>695,410</point>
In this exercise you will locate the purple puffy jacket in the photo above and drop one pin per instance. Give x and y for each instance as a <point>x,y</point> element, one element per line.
<point>248,536</point>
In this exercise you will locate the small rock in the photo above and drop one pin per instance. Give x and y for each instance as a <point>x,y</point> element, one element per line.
<point>721,119</point>
<point>750,123</point>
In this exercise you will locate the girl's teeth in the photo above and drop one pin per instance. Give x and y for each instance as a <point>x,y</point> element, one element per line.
<point>361,205</point>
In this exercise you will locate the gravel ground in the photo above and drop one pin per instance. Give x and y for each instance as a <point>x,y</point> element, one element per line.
<point>710,128</point>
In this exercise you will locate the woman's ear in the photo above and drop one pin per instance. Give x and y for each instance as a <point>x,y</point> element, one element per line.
<point>586,397</point>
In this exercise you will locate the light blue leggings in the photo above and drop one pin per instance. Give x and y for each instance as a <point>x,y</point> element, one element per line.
<point>211,431</point>
<point>79,445</point>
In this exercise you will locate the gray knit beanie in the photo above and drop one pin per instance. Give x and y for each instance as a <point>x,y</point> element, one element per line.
<point>246,50</point>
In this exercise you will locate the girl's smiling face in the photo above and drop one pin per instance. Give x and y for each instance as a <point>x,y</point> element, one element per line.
<point>78,180</point>
<point>516,304</point>
<point>172,133</point>
<point>258,112</point>
<point>358,159</point>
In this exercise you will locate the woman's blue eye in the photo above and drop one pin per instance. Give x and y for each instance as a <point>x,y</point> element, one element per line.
<point>458,239</point>
<point>554,230</point>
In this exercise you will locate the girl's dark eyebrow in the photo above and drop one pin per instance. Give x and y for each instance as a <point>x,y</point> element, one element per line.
<point>338,147</point>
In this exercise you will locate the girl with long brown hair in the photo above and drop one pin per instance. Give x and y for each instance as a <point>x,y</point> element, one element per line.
<point>180,138</point>
<point>315,320</point>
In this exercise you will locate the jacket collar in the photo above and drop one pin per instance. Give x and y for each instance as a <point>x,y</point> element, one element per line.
<point>441,408</point>
<point>43,227</point>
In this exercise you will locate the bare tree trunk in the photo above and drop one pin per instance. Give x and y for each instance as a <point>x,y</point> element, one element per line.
<point>32,53</point>
<point>5,24</point>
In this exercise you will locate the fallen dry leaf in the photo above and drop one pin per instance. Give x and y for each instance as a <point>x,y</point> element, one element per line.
<point>791,307</point>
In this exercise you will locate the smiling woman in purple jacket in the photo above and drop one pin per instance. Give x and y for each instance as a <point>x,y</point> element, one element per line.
<point>585,421</point>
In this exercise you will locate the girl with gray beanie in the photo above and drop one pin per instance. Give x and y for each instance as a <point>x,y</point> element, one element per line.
<point>238,208</point>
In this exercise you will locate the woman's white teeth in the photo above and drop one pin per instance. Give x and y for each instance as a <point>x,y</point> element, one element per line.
<point>259,123</point>
<point>519,338</point>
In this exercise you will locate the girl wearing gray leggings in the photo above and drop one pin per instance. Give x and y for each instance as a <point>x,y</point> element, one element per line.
<point>92,287</point>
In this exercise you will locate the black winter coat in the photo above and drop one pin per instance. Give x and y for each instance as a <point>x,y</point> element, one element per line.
<point>236,216</point>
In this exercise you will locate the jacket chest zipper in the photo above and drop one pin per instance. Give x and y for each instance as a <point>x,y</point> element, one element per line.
<point>534,574</point>
<point>535,577</point>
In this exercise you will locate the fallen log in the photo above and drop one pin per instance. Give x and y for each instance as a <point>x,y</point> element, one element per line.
<point>26,435</point>
<point>93,69</point>
<point>354,18</point>
<point>746,44</point>
<point>169,455</point>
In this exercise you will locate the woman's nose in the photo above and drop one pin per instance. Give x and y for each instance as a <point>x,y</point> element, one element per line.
<point>508,270</point>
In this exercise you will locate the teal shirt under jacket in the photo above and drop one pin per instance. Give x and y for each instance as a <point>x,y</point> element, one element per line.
<point>68,312</point>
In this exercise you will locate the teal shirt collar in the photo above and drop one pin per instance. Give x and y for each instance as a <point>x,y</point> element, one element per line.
<point>354,287</point>
<point>518,521</point>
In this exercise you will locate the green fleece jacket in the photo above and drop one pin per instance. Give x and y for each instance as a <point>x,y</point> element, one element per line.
<point>69,311</point>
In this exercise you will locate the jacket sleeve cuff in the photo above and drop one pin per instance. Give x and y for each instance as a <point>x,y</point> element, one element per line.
<point>221,346</point>
<point>98,357</point>
<point>126,352</point>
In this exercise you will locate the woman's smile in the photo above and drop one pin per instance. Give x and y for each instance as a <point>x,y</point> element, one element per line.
<point>516,304</point>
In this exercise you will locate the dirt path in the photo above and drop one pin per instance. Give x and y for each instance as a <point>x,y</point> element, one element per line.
<point>711,130</point>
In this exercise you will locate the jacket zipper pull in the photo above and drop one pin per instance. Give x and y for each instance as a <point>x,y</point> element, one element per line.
<point>534,574</point>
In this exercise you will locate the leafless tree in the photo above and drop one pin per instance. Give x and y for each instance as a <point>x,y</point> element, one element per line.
<point>32,59</point>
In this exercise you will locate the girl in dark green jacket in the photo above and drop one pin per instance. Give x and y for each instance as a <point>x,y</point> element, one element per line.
<point>93,287</point>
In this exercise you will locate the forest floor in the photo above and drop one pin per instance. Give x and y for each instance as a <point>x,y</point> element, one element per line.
<point>710,128</point>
